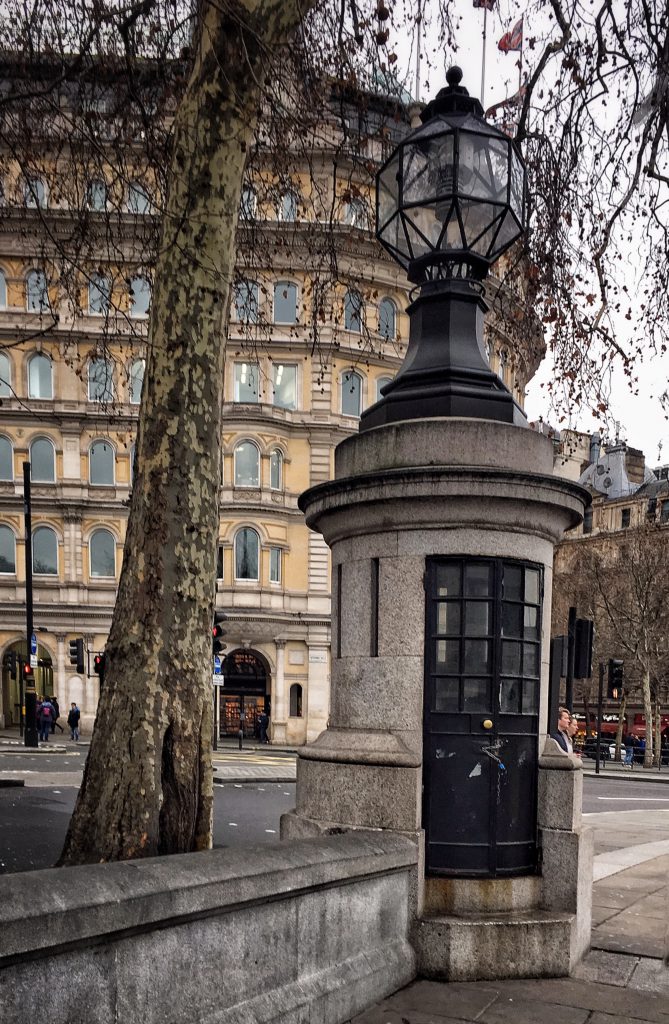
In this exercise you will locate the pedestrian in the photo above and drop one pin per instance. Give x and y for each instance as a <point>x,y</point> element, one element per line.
<point>561,735</point>
<point>628,760</point>
<point>45,719</point>
<point>73,717</point>
<point>56,715</point>
<point>263,723</point>
<point>572,732</point>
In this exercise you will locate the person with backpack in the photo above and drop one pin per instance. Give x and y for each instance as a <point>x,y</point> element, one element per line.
<point>73,717</point>
<point>46,715</point>
<point>56,716</point>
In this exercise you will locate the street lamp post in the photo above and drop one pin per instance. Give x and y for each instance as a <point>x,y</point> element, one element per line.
<point>450,200</point>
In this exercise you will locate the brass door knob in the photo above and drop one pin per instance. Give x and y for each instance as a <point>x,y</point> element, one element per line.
<point>486,723</point>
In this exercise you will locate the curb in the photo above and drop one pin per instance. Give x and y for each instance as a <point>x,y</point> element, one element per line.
<point>631,777</point>
<point>247,780</point>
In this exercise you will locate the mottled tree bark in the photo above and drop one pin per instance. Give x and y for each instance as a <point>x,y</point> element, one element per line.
<point>147,786</point>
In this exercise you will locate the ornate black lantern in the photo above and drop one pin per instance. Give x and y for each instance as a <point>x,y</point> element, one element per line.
<point>450,200</point>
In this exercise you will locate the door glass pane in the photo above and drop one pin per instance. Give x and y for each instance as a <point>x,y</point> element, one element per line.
<point>513,583</point>
<point>477,618</point>
<point>446,695</point>
<point>510,658</point>
<point>477,656</point>
<point>475,695</point>
<point>531,624</point>
<point>530,660</point>
<point>448,655</point>
<point>509,696</point>
<point>448,581</point>
<point>477,580</point>
<point>512,617</point>
<point>532,586</point>
<point>530,697</point>
<point>448,618</point>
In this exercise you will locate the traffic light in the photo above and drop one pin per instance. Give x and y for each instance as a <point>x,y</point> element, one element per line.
<point>217,632</point>
<point>583,648</point>
<point>28,675</point>
<point>99,663</point>
<point>77,654</point>
<point>614,690</point>
<point>10,663</point>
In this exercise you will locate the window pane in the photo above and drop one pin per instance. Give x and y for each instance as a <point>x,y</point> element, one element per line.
<point>387,319</point>
<point>478,580</point>
<point>103,554</point>
<point>532,586</point>
<point>7,550</point>
<point>448,655</point>
<point>477,618</point>
<point>100,380</point>
<point>530,697</point>
<point>448,618</point>
<point>42,461</point>
<point>99,294</point>
<point>475,694</point>
<point>6,459</point>
<point>138,199</point>
<point>246,302</point>
<point>353,312</point>
<point>351,394</point>
<point>275,565</point>
<point>247,382</point>
<point>530,660</point>
<point>512,617</point>
<point>37,294</point>
<point>45,551</point>
<point>136,381</point>
<point>285,303</point>
<point>285,386</point>
<point>3,291</point>
<point>531,616</point>
<point>35,193</point>
<point>248,203</point>
<point>510,658</point>
<point>246,555</point>
<point>275,466</point>
<point>296,701</point>
<point>381,383</point>
<point>513,582</point>
<point>477,656</point>
<point>448,581</point>
<point>140,296</point>
<point>509,696</point>
<point>97,195</point>
<point>446,695</point>
<point>247,465</point>
<point>5,376</point>
<point>39,377</point>
<point>102,463</point>
<point>288,206</point>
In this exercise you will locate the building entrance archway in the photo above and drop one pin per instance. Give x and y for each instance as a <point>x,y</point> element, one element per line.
<point>11,685</point>
<point>245,693</point>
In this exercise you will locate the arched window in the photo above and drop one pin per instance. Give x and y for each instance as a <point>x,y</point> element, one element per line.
<point>45,551</point>
<point>246,302</point>
<point>138,199</point>
<point>40,376</point>
<point>387,319</point>
<point>351,393</point>
<point>6,459</point>
<point>100,380</point>
<point>99,294</point>
<point>42,461</point>
<point>140,296</point>
<point>34,194</point>
<point>96,196</point>
<point>136,381</point>
<point>276,470</point>
<point>353,311</point>
<point>5,375</point>
<point>356,213</point>
<point>248,204</point>
<point>3,291</point>
<point>381,383</point>
<point>287,210</point>
<point>7,550</point>
<point>101,463</point>
<point>102,551</point>
<point>296,701</point>
<point>285,302</point>
<point>37,295</point>
<point>247,465</point>
<point>247,548</point>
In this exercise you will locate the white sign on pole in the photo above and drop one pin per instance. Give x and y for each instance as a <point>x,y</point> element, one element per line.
<point>33,661</point>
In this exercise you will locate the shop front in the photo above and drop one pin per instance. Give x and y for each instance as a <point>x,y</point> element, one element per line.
<point>245,693</point>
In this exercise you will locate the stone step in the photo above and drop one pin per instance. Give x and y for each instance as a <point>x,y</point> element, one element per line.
<point>477,947</point>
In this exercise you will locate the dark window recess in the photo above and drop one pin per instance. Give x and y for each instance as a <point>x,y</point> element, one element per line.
<point>219,564</point>
<point>296,701</point>
<point>664,512</point>
<point>374,598</point>
<point>625,518</point>
<point>587,521</point>
<point>652,509</point>
<point>339,575</point>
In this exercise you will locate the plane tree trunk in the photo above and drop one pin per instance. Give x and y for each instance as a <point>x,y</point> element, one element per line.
<point>147,786</point>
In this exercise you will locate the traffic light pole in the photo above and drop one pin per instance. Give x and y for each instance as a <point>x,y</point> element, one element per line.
<point>30,736</point>
<point>600,703</point>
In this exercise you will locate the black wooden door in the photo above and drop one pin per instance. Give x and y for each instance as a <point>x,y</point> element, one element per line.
<point>482,678</point>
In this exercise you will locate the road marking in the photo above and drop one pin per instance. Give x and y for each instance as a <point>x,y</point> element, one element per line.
<point>233,824</point>
<point>55,791</point>
<point>272,830</point>
<point>638,799</point>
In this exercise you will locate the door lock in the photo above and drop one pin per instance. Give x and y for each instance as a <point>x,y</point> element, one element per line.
<point>486,723</point>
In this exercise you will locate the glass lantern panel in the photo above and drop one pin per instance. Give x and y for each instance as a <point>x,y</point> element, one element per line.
<point>416,186</point>
<point>517,182</point>
<point>476,124</point>
<point>483,167</point>
<point>388,191</point>
<point>480,222</point>
<point>393,236</point>
<point>423,229</point>
<point>508,233</point>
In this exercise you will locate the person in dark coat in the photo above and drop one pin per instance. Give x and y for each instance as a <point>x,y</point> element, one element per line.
<point>263,723</point>
<point>561,735</point>
<point>56,716</point>
<point>45,721</point>
<point>73,717</point>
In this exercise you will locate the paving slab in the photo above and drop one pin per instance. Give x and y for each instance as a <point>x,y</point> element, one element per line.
<point>607,968</point>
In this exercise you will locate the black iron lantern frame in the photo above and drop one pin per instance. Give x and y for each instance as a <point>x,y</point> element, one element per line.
<point>450,200</point>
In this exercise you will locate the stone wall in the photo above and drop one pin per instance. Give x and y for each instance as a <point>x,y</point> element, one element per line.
<point>304,931</point>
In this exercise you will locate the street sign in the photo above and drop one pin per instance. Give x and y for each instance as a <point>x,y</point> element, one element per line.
<point>33,661</point>
<point>33,646</point>
<point>218,680</point>
<point>217,665</point>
